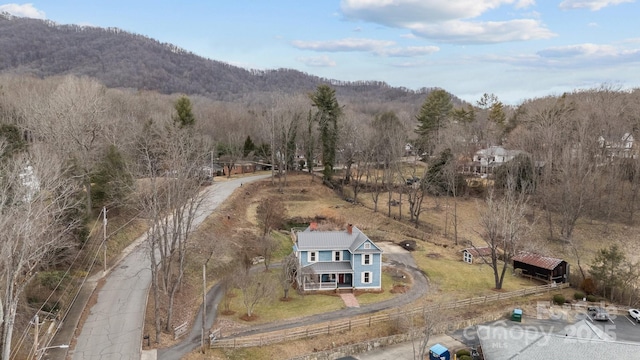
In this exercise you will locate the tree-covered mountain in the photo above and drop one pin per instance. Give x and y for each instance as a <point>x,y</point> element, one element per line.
<point>120,59</point>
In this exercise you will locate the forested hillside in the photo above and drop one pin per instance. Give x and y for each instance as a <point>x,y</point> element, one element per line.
<point>120,59</point>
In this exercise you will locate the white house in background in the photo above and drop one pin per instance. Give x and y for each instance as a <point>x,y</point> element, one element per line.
<point>485,160</point>
<point>622,148</point>
<point>332,260</point>
<point>30,182</point>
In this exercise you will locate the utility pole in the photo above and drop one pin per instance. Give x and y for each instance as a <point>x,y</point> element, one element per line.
<point>204,301</point>
<point>104,237</point>
<point>36,322</point>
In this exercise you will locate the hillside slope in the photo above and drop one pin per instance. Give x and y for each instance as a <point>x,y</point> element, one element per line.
<point>120,59</point>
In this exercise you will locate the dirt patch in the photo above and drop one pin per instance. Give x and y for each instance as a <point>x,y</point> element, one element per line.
<point>248,318</point>
<point>400,289</point>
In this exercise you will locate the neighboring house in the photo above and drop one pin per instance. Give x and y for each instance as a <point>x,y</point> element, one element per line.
<point>622,148</point>
<point>30,182</point>
<point>331,260</point>
<point>469,255</point>
<point>485,160</point>
<point>410,150</point>
<point>542,267</point>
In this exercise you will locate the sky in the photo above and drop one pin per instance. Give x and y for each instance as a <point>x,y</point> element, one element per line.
<point>515,49</point>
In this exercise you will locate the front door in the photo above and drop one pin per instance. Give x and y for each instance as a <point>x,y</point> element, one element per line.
<point>340,278</point>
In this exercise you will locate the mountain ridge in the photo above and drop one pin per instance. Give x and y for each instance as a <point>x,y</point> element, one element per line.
<point>121,59</point>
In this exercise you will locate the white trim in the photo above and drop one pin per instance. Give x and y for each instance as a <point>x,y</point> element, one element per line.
<point>363,257</point>
<point>362,277</point>
<point>467,257</point>
<point>339,253</point>
<point>315,256</point>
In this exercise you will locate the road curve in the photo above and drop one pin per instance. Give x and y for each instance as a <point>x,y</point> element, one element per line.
<point>113,328</point>
<point>400,259</point>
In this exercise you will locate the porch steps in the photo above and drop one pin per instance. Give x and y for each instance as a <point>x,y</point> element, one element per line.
<point>349,300</point>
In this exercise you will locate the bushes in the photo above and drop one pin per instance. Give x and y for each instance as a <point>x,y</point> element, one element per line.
<point>464,357</point>
<point>578,295</point>
<point>592,298</point>
<point>463,352</point>
<point>558,299</point>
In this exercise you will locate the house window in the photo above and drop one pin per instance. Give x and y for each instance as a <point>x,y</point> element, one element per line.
<point>313,256</point>
<point>366,277</point>
<point>468,258</point>
<point>367,245</point>
<point>366,259</point>
<point>337,256</point>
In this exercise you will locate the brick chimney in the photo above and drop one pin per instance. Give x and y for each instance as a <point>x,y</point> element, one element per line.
<point>313,226</point>
<point>349,229</point>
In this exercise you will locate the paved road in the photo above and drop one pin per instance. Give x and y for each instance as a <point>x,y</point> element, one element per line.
<point>399,258</point>
<point>113,329</point>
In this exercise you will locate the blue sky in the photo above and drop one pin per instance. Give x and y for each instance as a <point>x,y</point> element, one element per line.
<point>516,49</point>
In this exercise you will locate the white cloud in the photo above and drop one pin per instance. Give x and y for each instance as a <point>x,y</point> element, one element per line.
<point>465,32</point>
<point>378,47</point>
<point>24,10</point>
<point>589,50</point>
<point>523,4</point>
<point>399,13</point>
<point>409,51</point>
<point>349,44</point>
<point>317,61</point>
<point>448,21</point>
<point>592,5</point>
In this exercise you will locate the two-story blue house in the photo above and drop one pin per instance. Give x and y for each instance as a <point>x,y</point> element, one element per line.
<point>329,260</point>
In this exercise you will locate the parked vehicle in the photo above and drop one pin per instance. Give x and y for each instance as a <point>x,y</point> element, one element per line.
<point>412,180</point>
<point>635,314</point>
<point>598,313</point>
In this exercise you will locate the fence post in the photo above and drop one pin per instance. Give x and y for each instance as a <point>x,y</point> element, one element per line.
<point>369,321</point>
<point>349,324</point>
<point>329,329</point>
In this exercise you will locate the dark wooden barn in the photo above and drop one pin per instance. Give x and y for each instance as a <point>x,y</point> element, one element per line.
<point>542,267</point>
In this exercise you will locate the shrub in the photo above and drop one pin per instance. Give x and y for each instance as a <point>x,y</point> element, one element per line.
<point>592,298</point>
<point>463,352</point>
<point>51,279</point>
<point>464,357</point>
<point>558,299</point>
<point>578,295</point>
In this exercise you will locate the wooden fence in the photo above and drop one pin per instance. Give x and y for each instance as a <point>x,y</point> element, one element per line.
<point>348,324</point>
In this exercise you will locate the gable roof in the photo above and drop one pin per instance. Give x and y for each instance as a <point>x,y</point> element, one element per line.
<point>498,151</point>
<point>478,251</point>
<point>540,261</point>
<point>334,240</point>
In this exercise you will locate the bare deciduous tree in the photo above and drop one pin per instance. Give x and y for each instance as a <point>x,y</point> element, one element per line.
<point>255,288</point>
<point>170,163</point>
<point>37,196</point>
<point>504,225</point>
<point>288,273</point>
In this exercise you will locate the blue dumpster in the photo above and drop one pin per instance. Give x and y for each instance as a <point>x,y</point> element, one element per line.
<point>439,352</point>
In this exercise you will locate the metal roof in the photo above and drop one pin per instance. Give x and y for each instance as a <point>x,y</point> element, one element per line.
<point>540,261</point>
<point>333,240</point>
<point>478,251</point>
<point>576,341</point>
<point>329,267</point>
